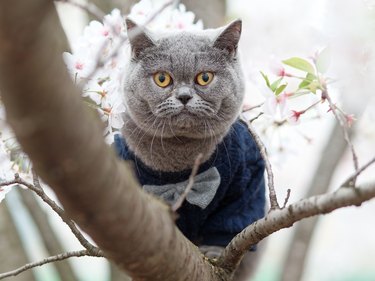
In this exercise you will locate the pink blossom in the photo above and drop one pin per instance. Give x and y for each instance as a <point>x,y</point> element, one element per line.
<point>277,68</point>
<point>275,106</point>
<point>78,65</point>
<point>350,118</point>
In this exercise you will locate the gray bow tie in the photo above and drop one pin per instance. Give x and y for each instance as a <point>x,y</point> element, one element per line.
<point>201,194</point>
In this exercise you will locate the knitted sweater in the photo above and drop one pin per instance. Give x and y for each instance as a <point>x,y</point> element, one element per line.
<point>239,199</point>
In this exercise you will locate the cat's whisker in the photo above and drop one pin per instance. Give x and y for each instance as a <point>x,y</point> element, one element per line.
<point>145,132</point>
<point>153,138</point>
<point>227,154</point>
<point>145,122</point>
<point>170,127</point>
<point>211,133</point>
<point>205,132</point>
<point>162,135</point>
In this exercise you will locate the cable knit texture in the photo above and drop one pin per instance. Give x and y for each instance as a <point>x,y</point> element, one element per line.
<point>239,199</point>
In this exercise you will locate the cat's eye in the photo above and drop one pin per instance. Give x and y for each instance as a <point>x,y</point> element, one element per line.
<point>162,79</point>
<point>204,78</point>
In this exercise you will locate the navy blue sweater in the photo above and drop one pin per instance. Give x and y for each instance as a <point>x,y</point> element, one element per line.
<point>239,199</point>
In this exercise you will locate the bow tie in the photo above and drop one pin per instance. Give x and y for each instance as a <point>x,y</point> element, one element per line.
<point>203,190</point>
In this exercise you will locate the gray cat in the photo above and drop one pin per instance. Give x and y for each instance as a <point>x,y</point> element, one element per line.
<point>183,94</point>
<point>185,116</point>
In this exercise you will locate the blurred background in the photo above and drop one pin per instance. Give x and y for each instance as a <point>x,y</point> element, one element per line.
<point>310,158</point>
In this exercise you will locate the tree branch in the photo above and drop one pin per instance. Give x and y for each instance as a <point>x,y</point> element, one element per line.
<point>89,7</point>
<point>284,218</point>
<point>263,151</point>
<point>11,246</point>
<point>344,127</point>
<point>320,181</point>
<point>190,184</point>
<point>48,234</point>
<point>351,179</point>
<point>57,209</point>
<point>59,257</point>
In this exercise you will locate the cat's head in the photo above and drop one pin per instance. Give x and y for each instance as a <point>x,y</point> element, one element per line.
<point>184,84</point>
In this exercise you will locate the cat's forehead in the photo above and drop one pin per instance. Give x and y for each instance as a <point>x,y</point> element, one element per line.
<point>184,41</point>
<point>183,52</point>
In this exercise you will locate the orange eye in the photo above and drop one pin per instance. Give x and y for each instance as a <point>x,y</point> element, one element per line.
<point>162,79</point>
<point>204,78</point>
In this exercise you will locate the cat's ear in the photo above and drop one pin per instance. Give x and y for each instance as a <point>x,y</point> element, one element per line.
<point>138,38</point>
<point>228,38</point>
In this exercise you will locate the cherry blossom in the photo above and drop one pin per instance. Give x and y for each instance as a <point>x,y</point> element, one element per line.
<point>277,68</point>
<point>274,105</point>
<point>78,65</point>
<point>350,118</point>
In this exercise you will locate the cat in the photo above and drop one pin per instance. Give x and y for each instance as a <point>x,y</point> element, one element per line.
<point>183,93</point>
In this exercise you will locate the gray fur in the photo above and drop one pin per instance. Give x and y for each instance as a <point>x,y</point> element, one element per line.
<point>163,132</point>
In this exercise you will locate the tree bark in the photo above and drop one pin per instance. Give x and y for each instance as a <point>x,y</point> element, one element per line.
<point>117,274</point>
<point>12,252</point>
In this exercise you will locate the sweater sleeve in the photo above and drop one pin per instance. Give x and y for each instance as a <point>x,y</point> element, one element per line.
<point>244,200</point>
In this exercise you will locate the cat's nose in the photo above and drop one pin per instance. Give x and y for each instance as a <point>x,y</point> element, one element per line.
<point>184,95</point>
<point>184,98</point>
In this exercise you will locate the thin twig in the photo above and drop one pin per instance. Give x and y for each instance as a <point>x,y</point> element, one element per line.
<point>272,194</point>
<point>286,198</point>
<point>333,107</point>
<point>58,257</point>
<point>36,181</point>
<point>252,107</point>
<point>190,184</point>
<point>351,180</point>
<point>89,7</point>
<point>58,210</point>
<point>256,117</point>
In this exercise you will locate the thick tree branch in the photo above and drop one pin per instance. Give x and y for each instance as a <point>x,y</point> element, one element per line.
<point>67,149</point>
<point>284,218</point>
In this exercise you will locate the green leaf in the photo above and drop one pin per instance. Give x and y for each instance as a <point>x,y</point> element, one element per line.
<point>311,77</point>
<point>307,81</point>
<point>300,64</point>
<point>276,84</point>
<point>304,84</point>
<point>314,86</point>
<point>265,77</point>
<point>280,89</point>
<point>324,59</point>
